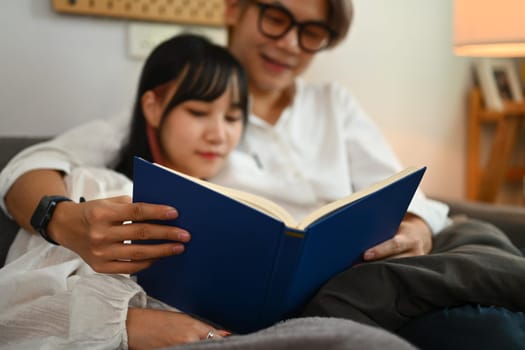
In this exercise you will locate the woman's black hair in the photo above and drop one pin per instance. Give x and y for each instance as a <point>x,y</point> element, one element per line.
<point>203,70</point>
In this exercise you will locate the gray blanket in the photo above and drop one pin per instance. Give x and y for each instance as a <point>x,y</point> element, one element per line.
<point>308,334</point>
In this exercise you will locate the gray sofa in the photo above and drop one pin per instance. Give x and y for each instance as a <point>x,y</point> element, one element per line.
<point>9,146</point>
<point>510,219</point>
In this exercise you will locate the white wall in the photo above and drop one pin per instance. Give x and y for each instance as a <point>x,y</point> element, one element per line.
<point>399,63</point>
<point>58,71</point>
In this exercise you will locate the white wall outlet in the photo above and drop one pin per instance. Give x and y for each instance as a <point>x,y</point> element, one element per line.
<point>144,37</point>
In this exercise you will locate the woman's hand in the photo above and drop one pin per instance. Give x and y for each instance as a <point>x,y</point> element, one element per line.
<point>152,329</point>
<point>95,231</point>
<point>412,238</point>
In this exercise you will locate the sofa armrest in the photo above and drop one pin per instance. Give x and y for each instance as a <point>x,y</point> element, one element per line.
<point>508,218</point>
<point>9,146</point>
<point>8,229</point>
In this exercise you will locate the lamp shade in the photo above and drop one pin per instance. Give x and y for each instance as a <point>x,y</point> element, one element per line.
<point>489,28</point>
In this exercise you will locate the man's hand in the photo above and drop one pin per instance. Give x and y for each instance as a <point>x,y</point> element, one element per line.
<point>95,231</point>
<point>412,238</point>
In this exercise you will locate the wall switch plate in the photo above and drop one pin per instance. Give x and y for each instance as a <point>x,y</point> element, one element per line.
<point>144,37</point>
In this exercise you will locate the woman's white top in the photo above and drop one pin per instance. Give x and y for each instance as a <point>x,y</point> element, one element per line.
<point>51,299</point>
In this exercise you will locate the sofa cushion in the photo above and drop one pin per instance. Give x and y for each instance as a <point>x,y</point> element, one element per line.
<point>11,145</point>
<point>508,218</point>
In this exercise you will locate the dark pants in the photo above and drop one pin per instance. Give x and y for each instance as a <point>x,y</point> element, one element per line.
<point>471,263</point>
<point>467,327</point>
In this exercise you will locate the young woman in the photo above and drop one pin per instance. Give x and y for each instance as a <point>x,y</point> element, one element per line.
<point>189,114</point>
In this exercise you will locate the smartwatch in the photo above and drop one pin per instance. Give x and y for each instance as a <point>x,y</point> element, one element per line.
<point>43,213</point>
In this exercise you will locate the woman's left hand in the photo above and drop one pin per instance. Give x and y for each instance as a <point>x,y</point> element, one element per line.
<point>154,329</point>
<point>412,238</point>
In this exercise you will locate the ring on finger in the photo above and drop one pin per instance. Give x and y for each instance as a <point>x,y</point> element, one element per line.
<point>210,334</point>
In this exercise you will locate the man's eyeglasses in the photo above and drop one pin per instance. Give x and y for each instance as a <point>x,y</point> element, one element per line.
<point>275,21</point>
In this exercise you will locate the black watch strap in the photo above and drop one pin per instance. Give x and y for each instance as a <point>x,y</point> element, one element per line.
<point>43,213</point>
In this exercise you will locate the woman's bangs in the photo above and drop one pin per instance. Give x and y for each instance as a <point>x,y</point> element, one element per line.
<point>206,82</point>
<point>208,78</point>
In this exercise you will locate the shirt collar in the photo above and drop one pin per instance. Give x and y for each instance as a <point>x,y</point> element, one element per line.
<point>285,115</point>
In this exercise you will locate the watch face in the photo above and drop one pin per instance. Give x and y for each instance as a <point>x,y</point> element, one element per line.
<point>46,214</point>
<point>43,213</point>
<point>39,216</point>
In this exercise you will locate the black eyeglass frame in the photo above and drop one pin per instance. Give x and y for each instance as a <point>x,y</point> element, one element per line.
<point>263,7</point>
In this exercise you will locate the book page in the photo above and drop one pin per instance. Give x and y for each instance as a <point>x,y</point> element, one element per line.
<point>254,201</point>
<point>257,202</point>
<point>273,209</point>
<point>330,207</point>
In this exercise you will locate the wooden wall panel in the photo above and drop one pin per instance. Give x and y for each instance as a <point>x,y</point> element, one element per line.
<point>201,12</point>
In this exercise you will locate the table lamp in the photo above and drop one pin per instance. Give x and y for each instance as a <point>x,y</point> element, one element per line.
<point>489,28</point>
<point>492,29</point>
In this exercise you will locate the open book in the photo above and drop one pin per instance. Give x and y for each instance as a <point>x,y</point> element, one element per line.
<point>249,264</point>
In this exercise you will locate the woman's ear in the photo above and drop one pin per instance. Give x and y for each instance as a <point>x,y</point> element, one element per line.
<point>151,108</point>
<point>232,9</point>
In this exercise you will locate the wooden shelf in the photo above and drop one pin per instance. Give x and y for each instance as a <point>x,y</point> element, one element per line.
<point>485,181</point>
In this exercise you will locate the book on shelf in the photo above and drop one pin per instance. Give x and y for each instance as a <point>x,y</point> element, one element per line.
<point>249,264</point>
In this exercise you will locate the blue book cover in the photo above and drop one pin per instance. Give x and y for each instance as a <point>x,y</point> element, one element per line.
<point>246,268</point>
